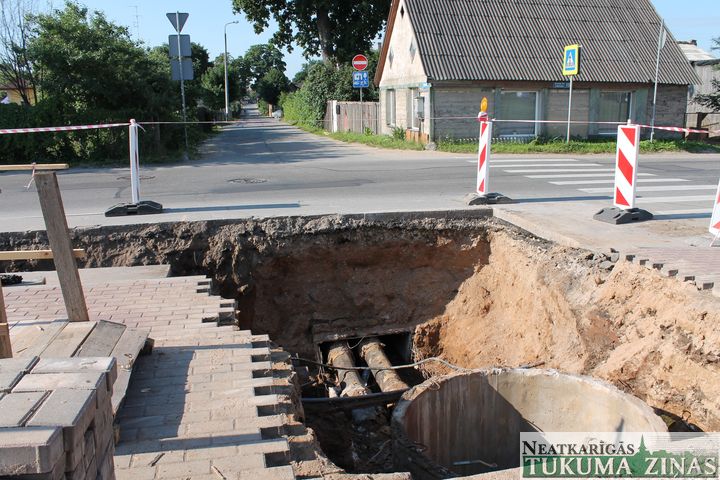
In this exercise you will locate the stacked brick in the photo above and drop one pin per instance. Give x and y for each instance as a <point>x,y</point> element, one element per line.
<point>56,420</point>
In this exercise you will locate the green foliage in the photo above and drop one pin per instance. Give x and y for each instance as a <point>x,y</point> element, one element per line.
<point>258,61</point>
<point>398,133</point>
<point>335,30</point>
<point>213,84</point>
<point>271,86</point>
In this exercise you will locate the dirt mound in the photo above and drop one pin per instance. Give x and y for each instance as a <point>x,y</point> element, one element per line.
<point>539,304</point>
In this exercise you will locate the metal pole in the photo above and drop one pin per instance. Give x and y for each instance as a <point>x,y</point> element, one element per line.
<point>362,130</point>
<point>182,86</point>
<point>227,95</point>
<point>569,110</point>
<point>134,163</point>
<point>657,71</point>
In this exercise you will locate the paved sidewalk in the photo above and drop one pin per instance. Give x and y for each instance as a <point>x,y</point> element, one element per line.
<point>207,403</point>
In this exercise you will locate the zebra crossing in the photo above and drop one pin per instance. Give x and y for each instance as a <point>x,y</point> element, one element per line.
<point>669,195</point>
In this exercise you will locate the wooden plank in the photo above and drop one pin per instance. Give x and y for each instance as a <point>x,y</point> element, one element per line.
<point>128,348</point>
<point>59,237</point>
<point>69,340</point>
<point>102,340</point>
<point>35,254</point>
<point>49,333</point>
<point>37,166</point>
<point>5,346</point>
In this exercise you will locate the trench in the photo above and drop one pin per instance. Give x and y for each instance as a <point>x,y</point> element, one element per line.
<point>464,287</point>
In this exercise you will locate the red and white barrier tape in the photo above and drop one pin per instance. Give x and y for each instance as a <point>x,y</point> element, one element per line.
<point>679,129</point>
<point>8,131</point>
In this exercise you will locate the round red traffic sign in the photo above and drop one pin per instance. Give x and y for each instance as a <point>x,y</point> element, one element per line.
<point>360,62</point>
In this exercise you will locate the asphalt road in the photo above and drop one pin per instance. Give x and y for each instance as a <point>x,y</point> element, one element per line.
<point>262,167</point>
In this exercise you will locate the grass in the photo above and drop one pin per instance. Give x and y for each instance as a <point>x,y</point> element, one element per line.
<point>372,140</point>
<point>577,147</point>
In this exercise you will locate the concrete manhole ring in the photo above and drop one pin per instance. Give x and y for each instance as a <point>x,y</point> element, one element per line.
<point>142,177</point>
<point>247,180</point>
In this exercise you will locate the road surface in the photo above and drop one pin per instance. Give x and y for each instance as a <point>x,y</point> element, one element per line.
<point>261,167</point>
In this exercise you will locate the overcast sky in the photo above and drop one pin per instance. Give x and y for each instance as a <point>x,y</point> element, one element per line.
<point>691,19</point>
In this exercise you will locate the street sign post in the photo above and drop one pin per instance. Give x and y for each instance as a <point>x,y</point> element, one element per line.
<point>178,66</point>
<point>360,62</point>
<point>571,67</point>
<point>361,80</point>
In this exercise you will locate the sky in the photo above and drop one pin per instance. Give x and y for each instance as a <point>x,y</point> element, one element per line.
<point>686,20</point>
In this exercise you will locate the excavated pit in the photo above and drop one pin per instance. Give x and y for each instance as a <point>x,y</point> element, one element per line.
<point>470,423</point>
<point>462,286</point>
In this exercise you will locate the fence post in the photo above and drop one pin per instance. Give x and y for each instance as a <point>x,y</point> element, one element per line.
<point>5,347</point>
<point>59,238</point>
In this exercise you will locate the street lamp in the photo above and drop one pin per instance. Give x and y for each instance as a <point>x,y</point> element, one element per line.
<point>227,100</point>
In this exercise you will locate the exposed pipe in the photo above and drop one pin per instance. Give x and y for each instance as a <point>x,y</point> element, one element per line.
<point>388,380</point>
<point>341,356</point>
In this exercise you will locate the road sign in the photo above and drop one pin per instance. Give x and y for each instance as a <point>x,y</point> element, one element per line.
<point>571,60</point>
<point>185,48</point>
<point>361,79</point>
<point>715,220</point>
<point>187,69</point>
<point>360,62</point>
<point>178,20</point>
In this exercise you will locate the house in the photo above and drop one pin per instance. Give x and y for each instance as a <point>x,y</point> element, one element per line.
<point>11,94</point>
<point>707,69</point>
<point>439,58</point>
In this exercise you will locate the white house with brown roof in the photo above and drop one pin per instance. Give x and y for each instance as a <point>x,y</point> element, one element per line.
<point>441,57</point>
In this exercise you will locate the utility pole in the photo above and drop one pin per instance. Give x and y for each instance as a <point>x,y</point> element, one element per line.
<point>227,94</point>
<point>661,43</point>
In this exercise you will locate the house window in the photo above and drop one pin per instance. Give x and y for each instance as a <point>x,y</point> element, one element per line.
<point>390,107</point>
<point>614,107</point>
<point>516,105</point>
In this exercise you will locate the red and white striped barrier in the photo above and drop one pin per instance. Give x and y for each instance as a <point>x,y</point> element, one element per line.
<point>626,163</point>
<point>8,131</point>
<point>715,220</point>
<point>483,173</point>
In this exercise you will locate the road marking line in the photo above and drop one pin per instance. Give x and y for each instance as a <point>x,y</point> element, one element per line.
<point>612,180</point>
<point>535,160</point>
<point>689,198</point>
<point>584,175</point>
<point>665,188</point>
<point>520,165</point>
<point>558,170</point>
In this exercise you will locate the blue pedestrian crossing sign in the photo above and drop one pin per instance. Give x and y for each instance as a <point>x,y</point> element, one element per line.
<point>571,60</point>
<point>361,79</point>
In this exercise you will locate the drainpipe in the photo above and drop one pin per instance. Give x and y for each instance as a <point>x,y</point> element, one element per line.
<point>388,380</point>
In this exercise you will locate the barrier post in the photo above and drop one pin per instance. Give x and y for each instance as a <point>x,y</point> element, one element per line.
<point>137,207</point>
<point>482,195</point>
<point>715,219</point>
<point>626,166</point>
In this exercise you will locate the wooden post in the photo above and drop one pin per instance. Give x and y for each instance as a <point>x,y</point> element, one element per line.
<point>5,347</point>
<point>59,237</point>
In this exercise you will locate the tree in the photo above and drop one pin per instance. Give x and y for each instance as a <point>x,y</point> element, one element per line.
<point>336,30</point>
<point>302,75</point>
<point>271,86</point>
<point>213,84</point>
<point>15,65</point>
<point>711,100</point>
<point>259,60</point>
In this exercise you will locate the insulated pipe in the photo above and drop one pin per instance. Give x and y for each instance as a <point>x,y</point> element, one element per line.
<point>388,380</point>
<point>340,355</point>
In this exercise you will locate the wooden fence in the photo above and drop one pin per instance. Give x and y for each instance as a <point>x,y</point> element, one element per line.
<point>352,117</point>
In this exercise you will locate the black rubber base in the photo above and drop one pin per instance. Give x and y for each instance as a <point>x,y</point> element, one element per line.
<point>618,216</point>
<point>489,199</point>
<point>145,207</point>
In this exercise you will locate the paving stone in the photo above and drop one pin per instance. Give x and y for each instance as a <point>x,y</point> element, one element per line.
<point>13,365</point>
<point>9,380</point>
<point>73,410</point>
<point>79,364</point>
<point>34,382</point>
<point>16,408</point>
<point>184,469</point>
<point>30,450</point>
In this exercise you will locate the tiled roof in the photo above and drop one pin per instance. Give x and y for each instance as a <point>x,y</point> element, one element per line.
<point>524,39</point>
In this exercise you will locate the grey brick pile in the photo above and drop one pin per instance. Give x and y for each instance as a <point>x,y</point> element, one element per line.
<point>56,420</point>
<point>698,266</point>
